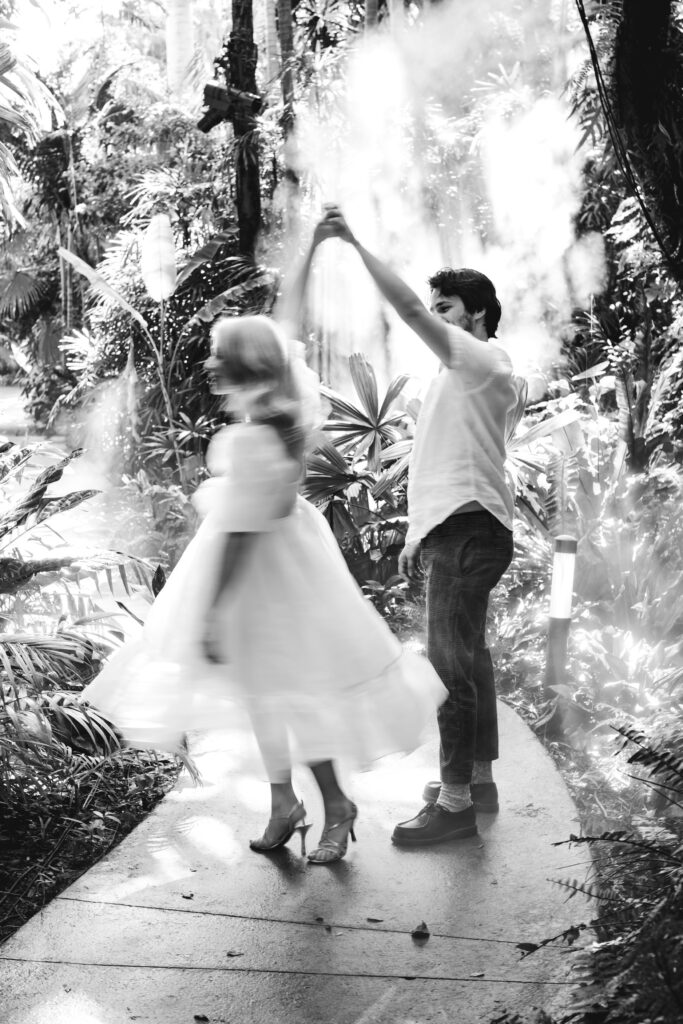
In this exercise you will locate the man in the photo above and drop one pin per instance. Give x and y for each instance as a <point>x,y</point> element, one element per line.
<point>460,524</point>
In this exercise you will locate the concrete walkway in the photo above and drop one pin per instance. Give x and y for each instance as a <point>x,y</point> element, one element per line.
<point>183,923</point>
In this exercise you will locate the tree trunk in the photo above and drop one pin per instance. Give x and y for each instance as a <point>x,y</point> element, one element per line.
<point>179,44</point>
<point>290,185</point>
<point>648,84</point>
<point>242,56</point>
<point>370,14</point>
<point>286,34</point>
<point>272,46</point>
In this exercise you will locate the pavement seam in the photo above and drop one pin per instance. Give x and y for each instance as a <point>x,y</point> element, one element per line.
<point>286,920</point>
<point>302,974</point>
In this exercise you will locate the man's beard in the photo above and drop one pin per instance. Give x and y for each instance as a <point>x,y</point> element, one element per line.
<point>467,322</point>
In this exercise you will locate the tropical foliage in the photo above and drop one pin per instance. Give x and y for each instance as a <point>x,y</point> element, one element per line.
<point>67,792</point>
<point>358,479</point>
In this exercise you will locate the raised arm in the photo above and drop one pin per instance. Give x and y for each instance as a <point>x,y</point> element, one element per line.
<point>433,331</point>
<point>290,307</point>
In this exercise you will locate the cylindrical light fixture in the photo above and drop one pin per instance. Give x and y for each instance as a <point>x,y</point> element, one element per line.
<point>561,594</point>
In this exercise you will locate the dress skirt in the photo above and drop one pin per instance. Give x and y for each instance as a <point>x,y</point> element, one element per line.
<point>306,658</point>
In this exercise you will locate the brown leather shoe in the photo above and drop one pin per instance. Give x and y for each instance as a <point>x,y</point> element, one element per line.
<point>484,795</point>
<point>434,825</point>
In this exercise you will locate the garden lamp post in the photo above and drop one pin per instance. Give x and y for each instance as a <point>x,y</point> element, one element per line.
<point>561,593</point>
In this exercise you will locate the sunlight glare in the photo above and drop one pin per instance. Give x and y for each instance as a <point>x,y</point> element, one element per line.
<point>72,1008</point>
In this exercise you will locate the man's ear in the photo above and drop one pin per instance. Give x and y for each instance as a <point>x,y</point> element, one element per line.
<point>480,314</point>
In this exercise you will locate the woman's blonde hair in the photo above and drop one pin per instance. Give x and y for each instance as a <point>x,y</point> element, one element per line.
<point>250,350</point>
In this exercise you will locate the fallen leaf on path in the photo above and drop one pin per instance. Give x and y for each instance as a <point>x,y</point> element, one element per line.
<point>201,1017</point>
<point>187,895</point>
<point>375,920</point>
<point>528,947</point>
<point>477,974</point>
<point>233,952</point>
<point>421,933</point>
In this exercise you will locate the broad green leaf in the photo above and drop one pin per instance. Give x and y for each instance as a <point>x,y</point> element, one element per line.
<point>206,255</point>
<point>592,371</point>
<point>157,258</point>
<point>53,506</point>
<point>545,428</point>
<point>102,287</point>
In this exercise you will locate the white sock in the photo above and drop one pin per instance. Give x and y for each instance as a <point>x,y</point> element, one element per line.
<point>454,797</point>
<point>482,771</point>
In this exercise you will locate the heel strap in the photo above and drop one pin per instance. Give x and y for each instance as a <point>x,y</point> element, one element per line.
<point>297,811</point>
<point>336,844</point>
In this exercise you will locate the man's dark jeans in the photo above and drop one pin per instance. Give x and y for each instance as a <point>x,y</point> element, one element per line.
<point>463,558</point>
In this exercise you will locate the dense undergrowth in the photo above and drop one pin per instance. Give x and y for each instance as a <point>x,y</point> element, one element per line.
<point>68,793</point>
<point>75,809</point>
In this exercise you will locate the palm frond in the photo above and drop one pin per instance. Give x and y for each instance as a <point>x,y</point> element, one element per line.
<point>365,383</point>
<point>342,407</point>
<point>391,478</point>
<point>21,292</point>
<point>79,725</point>
<point>393,391</point>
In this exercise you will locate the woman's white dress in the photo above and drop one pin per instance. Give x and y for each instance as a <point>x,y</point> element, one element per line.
<point>318,671</point>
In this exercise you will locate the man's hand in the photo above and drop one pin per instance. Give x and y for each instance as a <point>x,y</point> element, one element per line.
<point>409,561</point>
<point>323,229</point>
<point>335,223</point>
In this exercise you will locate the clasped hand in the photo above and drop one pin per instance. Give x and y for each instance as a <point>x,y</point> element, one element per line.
<point>333,225</point>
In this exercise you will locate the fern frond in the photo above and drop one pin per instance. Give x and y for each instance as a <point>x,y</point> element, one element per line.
<point>651,755</point>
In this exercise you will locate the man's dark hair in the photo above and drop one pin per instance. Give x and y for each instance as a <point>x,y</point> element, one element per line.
<point>475,290</point>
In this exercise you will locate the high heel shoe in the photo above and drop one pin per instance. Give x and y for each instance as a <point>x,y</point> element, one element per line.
<point>330,850</point>
<point>287,825</point>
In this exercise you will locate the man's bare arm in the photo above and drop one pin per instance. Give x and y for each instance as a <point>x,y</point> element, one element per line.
<point>433,332</point>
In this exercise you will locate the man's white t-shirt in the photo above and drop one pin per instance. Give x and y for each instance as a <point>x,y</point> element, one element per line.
<point>459,450</point>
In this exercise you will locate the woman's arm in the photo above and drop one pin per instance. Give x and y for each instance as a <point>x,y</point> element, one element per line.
<point>290,307</point>
<point>232,557</point>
